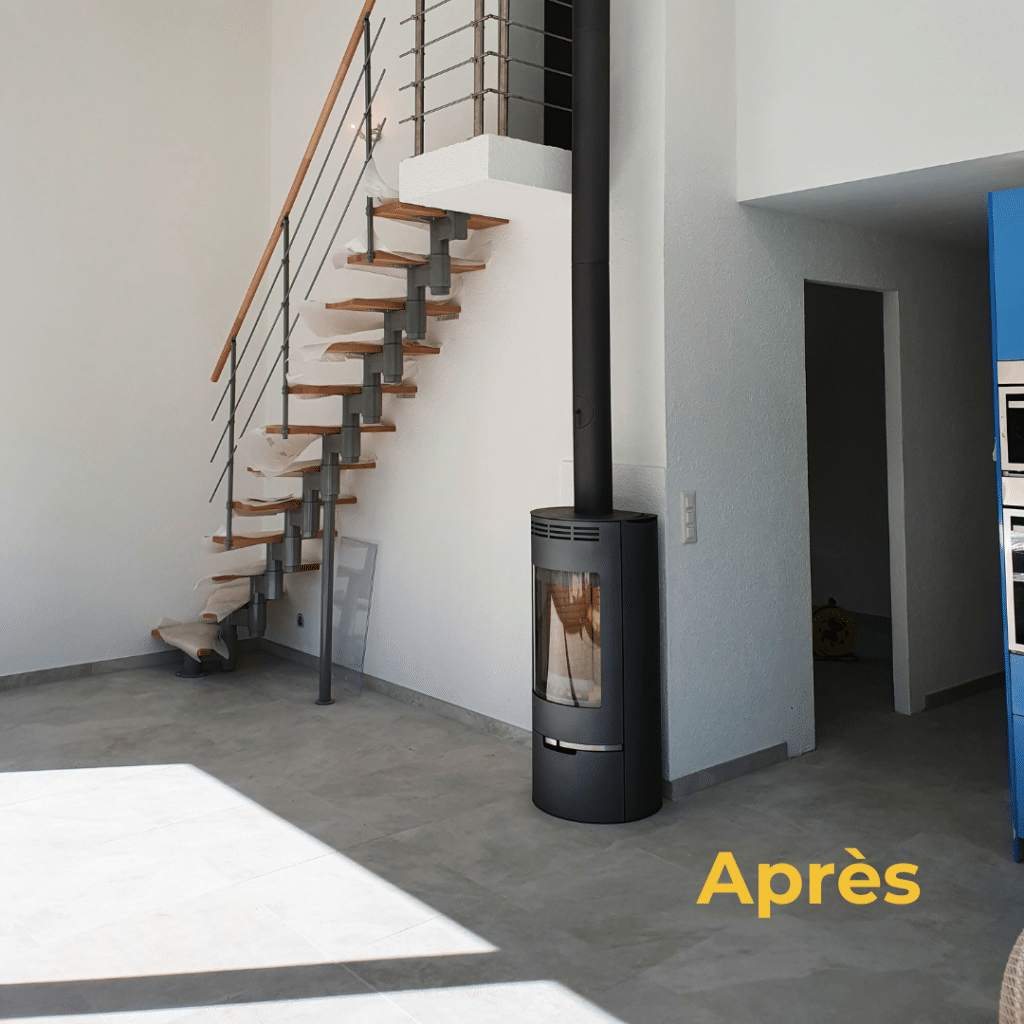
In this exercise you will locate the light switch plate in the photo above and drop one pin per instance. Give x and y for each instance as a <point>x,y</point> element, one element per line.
<point>689,516</point>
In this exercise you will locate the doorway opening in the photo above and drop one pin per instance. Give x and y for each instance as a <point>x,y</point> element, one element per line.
<point>847,477</point>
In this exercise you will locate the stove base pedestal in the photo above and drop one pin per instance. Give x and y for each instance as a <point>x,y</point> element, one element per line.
<point>581,785</point>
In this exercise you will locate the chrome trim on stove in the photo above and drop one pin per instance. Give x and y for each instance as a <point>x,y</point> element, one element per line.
<point>566,745</point>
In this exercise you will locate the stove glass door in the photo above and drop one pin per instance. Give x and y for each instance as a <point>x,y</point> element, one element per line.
<point>567,637</point>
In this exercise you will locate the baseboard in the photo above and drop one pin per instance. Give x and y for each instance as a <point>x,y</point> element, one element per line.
<point>89,668</point>
<point>444,708</point>
<point>64,673</point>
<point>310,661</point>
<point>676,789</point>
<point>961,690</point>
<point>673,789</point>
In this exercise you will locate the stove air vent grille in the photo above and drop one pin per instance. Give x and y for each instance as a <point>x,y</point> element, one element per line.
<point>565,531</point>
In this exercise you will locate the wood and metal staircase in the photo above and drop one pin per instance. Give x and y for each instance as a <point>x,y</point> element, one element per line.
<point>311,513</point>
<point>397,328</point>
<point>241,592</point>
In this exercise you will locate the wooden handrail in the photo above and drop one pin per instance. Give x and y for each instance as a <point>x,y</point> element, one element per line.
<point>339,78</point>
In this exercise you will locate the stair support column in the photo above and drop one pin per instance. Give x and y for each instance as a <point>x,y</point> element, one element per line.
<point>310,505</point>
<point>454,226</point>
<point>392,365</point>
<point>417,279</point>
<point>370,407</point>
<point>273,576</point>
<point>329,487</point>
<point>350,447</point>
<point>257,611</point>
<point>292,543</point>
<point>190,668</point>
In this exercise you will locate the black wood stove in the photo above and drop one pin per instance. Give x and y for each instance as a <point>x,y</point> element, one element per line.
<point>597,647</point>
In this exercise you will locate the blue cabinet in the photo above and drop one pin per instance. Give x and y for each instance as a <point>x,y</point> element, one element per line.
<point>1017,780</point>
<point>1006,257</point>
<point>1006,262</point>
<point>1016,684</point>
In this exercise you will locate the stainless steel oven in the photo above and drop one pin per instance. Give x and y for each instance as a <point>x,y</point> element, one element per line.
<point>1011,415</point>
<point>1013,556</point>
<point>1013,560</point>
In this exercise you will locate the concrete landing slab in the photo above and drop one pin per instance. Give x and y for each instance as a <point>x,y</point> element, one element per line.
<point>491,175</point>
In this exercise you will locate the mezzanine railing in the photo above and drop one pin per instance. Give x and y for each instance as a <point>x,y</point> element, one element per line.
<point>524,36</point>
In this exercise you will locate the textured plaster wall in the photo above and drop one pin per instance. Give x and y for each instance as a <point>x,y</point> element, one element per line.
<point>133,190</point>
<point>739,602</point>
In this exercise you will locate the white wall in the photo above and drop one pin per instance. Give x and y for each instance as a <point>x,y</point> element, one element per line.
<point>638,112</point>
<point>486,438</point>
<point>133,190</point>
<point>836,92</point>
<point>739,602</point>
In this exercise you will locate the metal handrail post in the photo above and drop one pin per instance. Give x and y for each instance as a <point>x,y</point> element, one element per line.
<point>287,276</point>
<point>503,18</point>
<point>421,38</point>
<point>231,444</point>
<point>368,131</point>
<point>329,486</point>
<point>478,67</point>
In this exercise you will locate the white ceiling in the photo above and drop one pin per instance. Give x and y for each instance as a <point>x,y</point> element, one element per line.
<point>942,204</point>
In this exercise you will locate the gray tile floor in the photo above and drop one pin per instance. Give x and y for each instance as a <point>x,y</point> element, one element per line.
<point>443,813</point>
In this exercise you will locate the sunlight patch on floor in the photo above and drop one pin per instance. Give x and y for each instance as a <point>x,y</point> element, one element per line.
<point>150,875</point>
<point>116,873</point>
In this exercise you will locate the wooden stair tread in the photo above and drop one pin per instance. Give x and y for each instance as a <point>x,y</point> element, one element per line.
<point>409,211</point>
<point>320,430</point>
<point>229,577</point>
<point>241,540</point>
<point>301,468</point>
<point>225,601</point>
<point>368,348</point>
<point>241,508</point>
<point>325,390</point>
<point>249,540</point>
<point>201,652</point>
<point>384,305</point>
<point>396,259</point>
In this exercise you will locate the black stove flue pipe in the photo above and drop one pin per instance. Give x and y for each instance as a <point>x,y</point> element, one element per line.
<point>591,318</point>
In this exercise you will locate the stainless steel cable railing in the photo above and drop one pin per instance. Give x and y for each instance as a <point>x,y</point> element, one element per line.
<point>554,95</point>
<point>289,237</point>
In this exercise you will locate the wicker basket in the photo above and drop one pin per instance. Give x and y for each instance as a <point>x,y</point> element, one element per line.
<point>834,631</point>
<point>1011,999</point>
